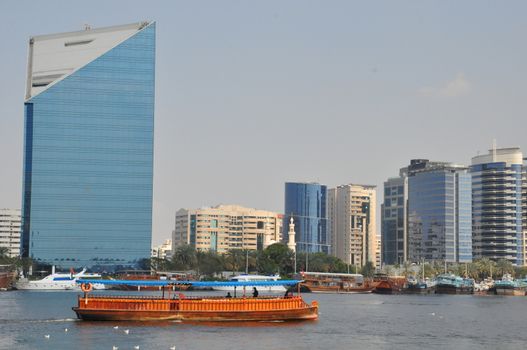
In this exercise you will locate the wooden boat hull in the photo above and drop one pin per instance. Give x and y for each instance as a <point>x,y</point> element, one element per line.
<point>337,290</point>
<point>453,290</point>
<point>239,309</point>
<point>510,291</point>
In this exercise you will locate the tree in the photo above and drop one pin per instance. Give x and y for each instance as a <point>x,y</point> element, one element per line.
<point>504,266</point>
<point>184,258</point>
<point>368,270</point>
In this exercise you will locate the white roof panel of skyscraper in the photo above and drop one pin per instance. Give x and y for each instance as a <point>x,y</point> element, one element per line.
<point>53,57</point>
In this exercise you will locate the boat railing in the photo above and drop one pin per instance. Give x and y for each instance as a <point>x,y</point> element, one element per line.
<point>191,303</point>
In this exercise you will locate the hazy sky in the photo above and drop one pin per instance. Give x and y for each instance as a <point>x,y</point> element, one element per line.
<point>252,94</point>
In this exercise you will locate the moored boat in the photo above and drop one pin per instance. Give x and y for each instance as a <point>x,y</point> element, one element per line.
<point>248,278</point>
<point>451,284</point>
<point>183,308</point>
<point>385,284</point>
<point>325,282</point>
<point>414,286</point>
<point>58,281</point>
<point>509,286</point>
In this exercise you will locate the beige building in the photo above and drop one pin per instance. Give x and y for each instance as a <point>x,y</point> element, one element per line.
<point>10,224</point>
<point>226,227</point>
<point>163,251</point>
<point>352,223</point>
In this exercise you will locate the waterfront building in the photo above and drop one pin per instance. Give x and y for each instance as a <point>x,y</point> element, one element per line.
<point>306,204</point>
<point>394,221</point>
<point>163,251</point>
<point>352,223</point>
<point>226,227</point>
<point>426,214</point>
<point>497,205</point>
<point>439,212</point>
<point>378,253</point>
<point>88,150</point>
<point>10,223</point>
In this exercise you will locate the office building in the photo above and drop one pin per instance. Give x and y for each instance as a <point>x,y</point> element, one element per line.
<point>10,223</point>
<point>352,223</point>
<point>426,214</point>
<point>226,227</point>
<point>439,212</point>
<point>88,150</point>
<point>394,221</point>
<point>497,205</point>
<point>306,204</point>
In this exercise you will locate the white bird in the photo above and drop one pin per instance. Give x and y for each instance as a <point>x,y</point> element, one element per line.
<point>136,347</point>
<point>116,327</point>
<point>126,331</point>
<point>46,336</point>
<point>173,347</point>
<point>115,347</point>
<point>65,329</point>
<point>433,314</point>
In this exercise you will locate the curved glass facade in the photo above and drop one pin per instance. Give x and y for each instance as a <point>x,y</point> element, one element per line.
<point>88,161</point>
<point>497,211</point>
<point>306,204</point>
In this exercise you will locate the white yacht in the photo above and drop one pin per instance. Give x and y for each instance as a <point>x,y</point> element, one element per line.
<point>249,278</point>
<point>58,281</point>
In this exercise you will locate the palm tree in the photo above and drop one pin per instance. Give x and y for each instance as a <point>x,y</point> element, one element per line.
<point>504,266</point>
<point>184,257</point>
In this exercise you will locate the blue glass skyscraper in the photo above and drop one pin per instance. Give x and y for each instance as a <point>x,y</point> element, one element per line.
<point>306,204</point>
<point>439,212</point>
<point>88,151</point>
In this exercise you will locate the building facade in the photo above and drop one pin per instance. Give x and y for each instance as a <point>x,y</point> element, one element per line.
<point>497,209</point>
<point>394,221</point>
<point>352,223</point>
<point>306,204</point>
<point>10,222</point>
<point>227,227</point>
<point>88,150</point>
<point>439,212</point>
<point>163,251</point>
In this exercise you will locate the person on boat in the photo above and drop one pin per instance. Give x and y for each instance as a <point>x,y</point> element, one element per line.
<point>288,293</point>
<point>255,292</point>
<point>228,295</point>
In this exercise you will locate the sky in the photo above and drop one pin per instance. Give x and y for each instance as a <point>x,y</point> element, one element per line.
<point>251,94</point>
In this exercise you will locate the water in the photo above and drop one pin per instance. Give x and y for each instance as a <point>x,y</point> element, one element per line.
<point>360,321</point>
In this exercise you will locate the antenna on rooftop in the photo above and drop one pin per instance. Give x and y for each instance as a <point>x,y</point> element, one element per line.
<point>493,150</point>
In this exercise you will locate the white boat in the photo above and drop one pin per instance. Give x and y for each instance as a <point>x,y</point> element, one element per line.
<point>58,281</point>
<point>249,289</point>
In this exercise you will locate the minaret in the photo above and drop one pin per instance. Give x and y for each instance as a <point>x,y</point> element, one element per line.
<point>291,244</point>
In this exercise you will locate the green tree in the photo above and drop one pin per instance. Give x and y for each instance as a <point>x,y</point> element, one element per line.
<point>184,258</point>
<point>504,266</point>
<point>368,270</point>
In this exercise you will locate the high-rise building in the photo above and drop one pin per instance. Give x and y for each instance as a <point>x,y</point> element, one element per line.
<point>497,205</point>
<point>439,212</point>
<point>306,204</point>
<point>352,223</point>
<point>10,223</point>
<point>226,227</point>
<point>88,151</point>
<point>394,220</point>
<point>426,214</point>
<point>163,251</point>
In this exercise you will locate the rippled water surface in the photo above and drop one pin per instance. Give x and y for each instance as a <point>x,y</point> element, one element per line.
<point>366,321</point>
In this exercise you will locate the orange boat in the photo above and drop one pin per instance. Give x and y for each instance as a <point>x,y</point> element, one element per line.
<point>180,307</point>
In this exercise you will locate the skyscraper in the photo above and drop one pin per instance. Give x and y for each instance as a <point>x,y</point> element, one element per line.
<point>426,214</point>
<point>497,205</point>
<point>10,231</point>
<point>88,150</point>
<point>306,204</point>
<point>352,223</point>
<point>393,220</point>
<point>439,212</point>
